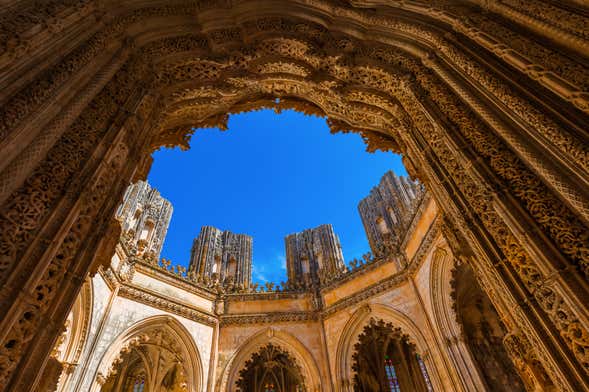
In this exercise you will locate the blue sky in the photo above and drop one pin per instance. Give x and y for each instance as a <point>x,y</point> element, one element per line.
<point>268,175</point>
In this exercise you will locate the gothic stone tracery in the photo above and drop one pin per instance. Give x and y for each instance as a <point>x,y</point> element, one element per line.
<point>489,109</point>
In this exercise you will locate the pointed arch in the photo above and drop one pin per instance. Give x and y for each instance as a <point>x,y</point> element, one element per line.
<point>483,101</point>
<point>286,341</point>
<point>70,346</point>
<point>353,328</point>
<point>445,320</point>
<point>177,331</point>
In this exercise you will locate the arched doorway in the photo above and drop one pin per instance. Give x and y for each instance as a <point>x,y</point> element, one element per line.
<point>271,369</point>
<point>385,360</point>
<point>489,109</point>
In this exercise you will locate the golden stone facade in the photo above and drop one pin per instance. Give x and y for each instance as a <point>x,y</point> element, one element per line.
<point>487,101</point>
<point>206,331</point>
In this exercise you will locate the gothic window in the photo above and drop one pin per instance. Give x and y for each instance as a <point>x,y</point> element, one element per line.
<point>216,264</point>
<point>269,387</point>
<point>423,369</point>
<point>232,267</point>
<point>174,379</point>
<point>134,220</point>
<point>385,361</point>
<point>270,370</point>
<point>382,225</point>
<point>305,265</point>
<point>147,230</point>
<point>393,215</point>
<point>319,261</point>
<point>139,383</point>
<point>391,375</point>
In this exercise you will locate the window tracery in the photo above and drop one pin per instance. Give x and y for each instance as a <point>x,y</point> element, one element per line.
<point>483,332</point>
<point>385,360</point>
<point>151,361</point>
<point>532,181</point>
<point>271,369</point>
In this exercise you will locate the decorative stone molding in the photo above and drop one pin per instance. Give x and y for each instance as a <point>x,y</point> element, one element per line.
<point>166,335</point>
<point>264,318</point>
<point>141,295</point>
<point>513,188</point>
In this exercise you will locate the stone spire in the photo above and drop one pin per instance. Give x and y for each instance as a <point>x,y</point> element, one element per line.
<point>221,255</point>
<point>145,216</point>
<point>387,211</point>
<point>313,253</point>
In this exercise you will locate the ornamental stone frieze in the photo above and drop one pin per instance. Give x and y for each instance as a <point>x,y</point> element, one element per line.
<point>486,100</point>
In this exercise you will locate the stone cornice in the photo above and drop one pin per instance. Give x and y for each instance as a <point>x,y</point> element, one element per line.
<point>366,293</point>
<point>144,296</point>
<point>392,281</point>
<point>152,299</point>
<point>109,277</point>
<point>267,296</point>
<point>174,280</point>
<point>274,317</point>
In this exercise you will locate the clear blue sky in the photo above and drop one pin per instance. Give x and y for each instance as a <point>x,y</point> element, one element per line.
<point>269,175</point>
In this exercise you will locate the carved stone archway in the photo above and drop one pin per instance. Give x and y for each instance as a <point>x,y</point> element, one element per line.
<point>301,355</point>
<point>385,359</point>
<point>354,327</point>
<point>446,323</point>
<point>272,368</point>
<point>491,118</point>
<point>167,336</point>
<point>483,333</point>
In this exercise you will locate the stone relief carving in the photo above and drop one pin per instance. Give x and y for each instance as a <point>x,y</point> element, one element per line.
<point>401,102</point>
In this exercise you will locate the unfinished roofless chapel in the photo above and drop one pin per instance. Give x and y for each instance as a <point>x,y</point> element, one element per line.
<point>478,274</point>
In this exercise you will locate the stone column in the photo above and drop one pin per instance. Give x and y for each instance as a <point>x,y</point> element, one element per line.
<point>478,192</point>
<point>58,225</point>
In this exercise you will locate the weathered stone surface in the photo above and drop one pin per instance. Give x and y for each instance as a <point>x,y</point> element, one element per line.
<point>387,212</point>
<point>221,256</point>
<point>145,216</point>
<point>487,102</point>
<point>313,254</point>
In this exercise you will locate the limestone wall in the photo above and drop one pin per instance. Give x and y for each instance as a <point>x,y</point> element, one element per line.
<point>319,329</point>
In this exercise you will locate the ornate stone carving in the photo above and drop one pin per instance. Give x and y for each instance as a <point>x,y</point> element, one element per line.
<point>145,217</point>
<point>222,256</point>
<point>387,212</point>
<point>313,254</point>
<point>525,224</point>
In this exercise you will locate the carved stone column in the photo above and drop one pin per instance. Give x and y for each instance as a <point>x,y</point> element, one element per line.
<point>51,249</point>
<point>478,196</point>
